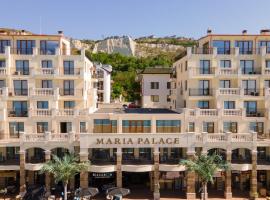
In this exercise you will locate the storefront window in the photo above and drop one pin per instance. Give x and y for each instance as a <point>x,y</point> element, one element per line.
<point>168,126</point>
<point>136,126</point>
<point>105,126</point>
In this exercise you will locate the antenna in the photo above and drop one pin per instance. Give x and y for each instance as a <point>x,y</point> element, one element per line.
<point>40,25</point>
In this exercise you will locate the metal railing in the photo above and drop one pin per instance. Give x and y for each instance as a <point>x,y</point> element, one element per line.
<point>200,92</point>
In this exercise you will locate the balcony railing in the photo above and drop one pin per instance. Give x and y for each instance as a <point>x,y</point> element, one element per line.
<point>198,50</point>
<point>227,71</point>
<point>255,113</point>
<point>41,113</point>
<point>20,92</point>
<point>232,112</point>
<point>208,112</point>
<point>17,113</point>
<point>3,71</point>
<point>228,91</point>
<point>42,92</point>
<point>47,137</point>
<point>10,161</point>
<point>253,92</point>
<point>201,92</point>
<point>65,112</point>
<point>71,92</point>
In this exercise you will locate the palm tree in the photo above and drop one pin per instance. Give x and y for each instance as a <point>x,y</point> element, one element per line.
<point>205,166</point>
<point>63,169</point>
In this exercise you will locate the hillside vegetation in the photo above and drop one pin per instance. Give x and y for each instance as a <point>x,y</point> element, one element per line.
<point>124,71</point>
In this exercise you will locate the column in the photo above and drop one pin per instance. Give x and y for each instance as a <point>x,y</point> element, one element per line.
<point>228,177</point>
<point>119,167</point>
<point>22,171</point>
<point>253,180</point>
<point>84,174</point>
<point>190,178</point>
<point>156,174</point>
<point>48,175</point>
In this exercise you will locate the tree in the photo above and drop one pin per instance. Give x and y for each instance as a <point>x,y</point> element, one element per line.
<point>205,166</point>
<point>63,169</point>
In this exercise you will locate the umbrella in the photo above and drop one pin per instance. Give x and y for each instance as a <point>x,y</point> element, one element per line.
<point>117,191</point>
<point>86,192</point>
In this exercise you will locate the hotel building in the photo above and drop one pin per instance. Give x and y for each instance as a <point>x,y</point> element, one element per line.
<point>219,103</point>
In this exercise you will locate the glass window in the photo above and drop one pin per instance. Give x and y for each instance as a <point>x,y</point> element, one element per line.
<point>257,127</point>
<point>83,127</point>
<point>15,128</point>
<point>229,104</point>
<point>3,44</point>
<point>224,83</point>
<point>22,66</point>
<point>205,67</point>
<point>154,98</point>
<point>225,64</point>
<point>168,85</point>
<point>2,63</point>
<point>42,104</point>
<point>267,83</point>
<point>245,47</point>
<point>265,44</point>
<point>20,87</point>
<point>230,127</point>
<point>154,85</point>
<point>247,66</point>
<point>46,64</point>
<point>69,104</point>
<point>68,87</point>
<point>136,126</point>
<point>191,127</point>
<point>2,83</point>
<point>223,46</point>
<point>25,46</point>
<point>168,126</point>
<point>208,127</point>
<point>42,127</point>
<point>46,84</point>
<point>68,67</point>
<point>105,126</point>
<point>203,104</point>
<point>250,87</point>
<point>251,108</point>
<point>20,109</point>
<point>48,47</point>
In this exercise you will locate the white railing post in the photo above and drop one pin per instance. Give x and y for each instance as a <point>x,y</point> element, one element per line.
<point>229,137</point>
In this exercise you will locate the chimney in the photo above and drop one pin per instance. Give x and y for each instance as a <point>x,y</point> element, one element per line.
<point>265,32</point>
<point>209,31</point>
<point>60,33</point>
<point>244,32</point>
<point>23,32</point>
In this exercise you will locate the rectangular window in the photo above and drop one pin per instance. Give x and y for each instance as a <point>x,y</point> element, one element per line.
<point>245,47</point>
<point>225,64</point>
<point>46,84</point>
<point>168,98</point>
<point>25,46</point>
<point>204,88</point>
<point>22,67</point>
<point>20,109</point>
<point>186,65</point>
<point>3,44</point>
<point>83,127</point>
<point>68,87</point>
<point>229,104</point>
<point>15,128</point>
<point>205,67</point>
<point>42,105</point>
<point>46,64</point>
<point>223,46</point>
<point>186,85</point>
<point>65,127</point>
<point>203,104</point>
<point>267,83</point>
<point>265,44</point>
<point>230,127</point>
<point>224,83</point>
<point>251,108</point>
<point>247,67</point>
<point>69,67</point>
<point>154,98</point>
<point>257,127</point>
<point>69,104</point>
<point>2,63</point>
<point>42,127</point>
<point>136,126</point>
<point>168,126</point>
<point>105,126</point>
<point>208,127</point>
<point>168,85</point>
<point>154,85</point>
<point>2,83</point>
<point>20,87</point>
<point>48,47</point>
<point>191,127</point>
<point>250,87</point>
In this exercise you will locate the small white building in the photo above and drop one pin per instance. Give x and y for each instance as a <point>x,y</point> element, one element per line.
<point>155,87</point>
<point>104,82</point>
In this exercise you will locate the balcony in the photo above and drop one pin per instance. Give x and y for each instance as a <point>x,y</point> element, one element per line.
<point>256,71</point>
<point>47,137</point>
<point>170,160</point>
<point>200,92</point>
<point>43,92</point>
<point>41,113</point>
<point>71,92</point>
<point>255,113</point>
<point>232,112</point>
<point>44,71</point>
<point>198,71</point>
<point>65,112</point>
<point>22,51</point>
<point>227,71</point>
<point>228,91</point>
<point>253,92</point>
<point>17,113</point>
<point>69,72</point>
<point>3,71</point>
<point>20,92</point>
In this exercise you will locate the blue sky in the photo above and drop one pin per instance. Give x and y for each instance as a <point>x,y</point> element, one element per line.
<point>95,19</point>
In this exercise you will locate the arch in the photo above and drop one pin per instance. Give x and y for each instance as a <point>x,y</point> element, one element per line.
<point>219,151</point>
<point>60,151</point>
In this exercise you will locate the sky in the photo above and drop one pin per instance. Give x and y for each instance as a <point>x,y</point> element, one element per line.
<point>96,19</point>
